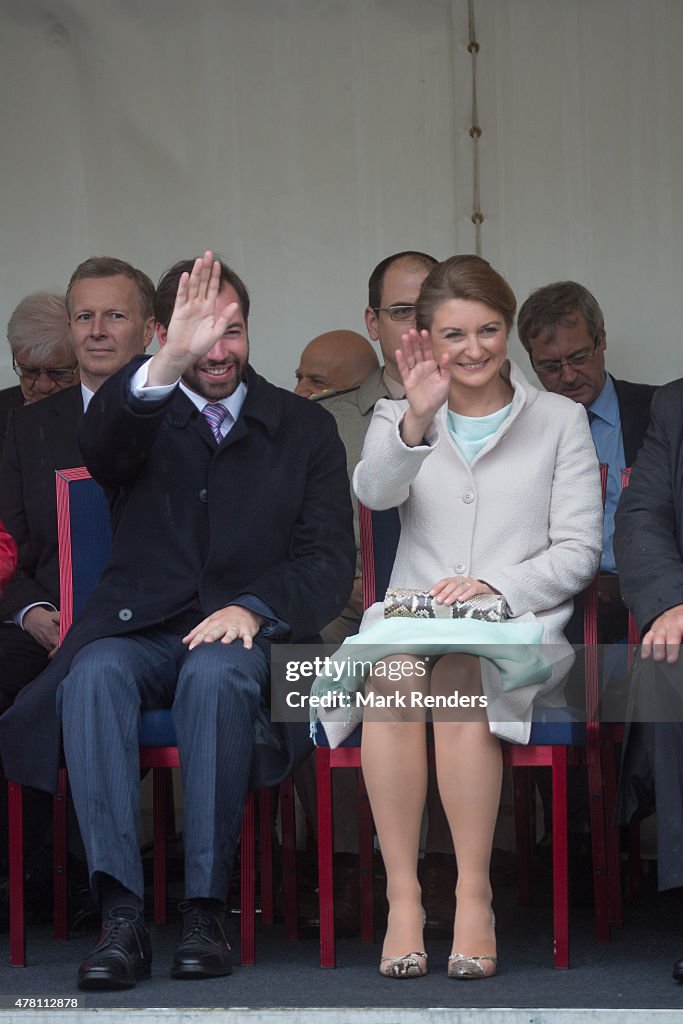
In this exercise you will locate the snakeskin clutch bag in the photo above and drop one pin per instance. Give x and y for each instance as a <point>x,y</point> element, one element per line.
<point>417,604</point>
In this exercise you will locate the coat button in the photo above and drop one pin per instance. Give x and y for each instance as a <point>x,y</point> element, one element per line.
<point>203,495</point>
<point>468,497</point>
<point>460,567</point>
<point>125,615</point>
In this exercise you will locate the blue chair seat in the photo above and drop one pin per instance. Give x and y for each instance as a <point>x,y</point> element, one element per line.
<point>552,727</point>
<point>156,729</point>
<point>320,737</point>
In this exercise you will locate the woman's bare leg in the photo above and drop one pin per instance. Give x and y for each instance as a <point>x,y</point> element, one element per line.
<point>394,757</point>
<point>469,770</point>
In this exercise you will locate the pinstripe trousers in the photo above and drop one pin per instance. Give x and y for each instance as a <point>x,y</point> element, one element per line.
<point>214,692</point>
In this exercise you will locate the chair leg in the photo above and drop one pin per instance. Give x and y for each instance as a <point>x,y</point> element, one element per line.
<point>596,809</point>
<point>17,929</point>
<point>635,863</point>
<point>60,895</point>
<point>525,830</point>
<point>265,832</point>
<point>560,860</point>
<point>247,883</point>
<point>367,863</point>
<point>162,796</point>
<point>288,822</point>
<point>325,856</point>
<point>612,832</point>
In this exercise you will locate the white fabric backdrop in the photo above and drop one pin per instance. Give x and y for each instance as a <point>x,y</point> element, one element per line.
<point>307,139</point>
<point>582,172</point>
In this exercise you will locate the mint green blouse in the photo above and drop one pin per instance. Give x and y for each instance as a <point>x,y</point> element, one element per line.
<point>471,433</point>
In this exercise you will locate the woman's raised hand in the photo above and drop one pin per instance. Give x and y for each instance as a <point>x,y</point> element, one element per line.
<point>426,382</point>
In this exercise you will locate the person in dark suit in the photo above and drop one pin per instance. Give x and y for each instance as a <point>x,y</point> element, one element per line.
<point>42,354</point>
<point>649,552</point>
<point>112,319</point>
<point>232,528</point>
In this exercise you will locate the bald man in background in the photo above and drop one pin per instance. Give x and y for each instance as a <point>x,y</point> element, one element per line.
<point>333,363</point>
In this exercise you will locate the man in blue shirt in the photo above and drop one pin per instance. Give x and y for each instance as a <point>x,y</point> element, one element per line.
<point>562,328</point>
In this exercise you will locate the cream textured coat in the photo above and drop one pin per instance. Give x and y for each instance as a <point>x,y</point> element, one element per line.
<point>525,517</point>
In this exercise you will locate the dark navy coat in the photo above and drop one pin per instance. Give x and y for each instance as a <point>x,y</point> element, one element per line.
<point>195,526</point>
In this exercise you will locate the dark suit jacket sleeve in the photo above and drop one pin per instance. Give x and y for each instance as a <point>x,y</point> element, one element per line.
<point>22,588</point>
<point>309,581</point>
<point>648,520</point>
<point>10,398</point>
<point>311,586</point>
<point>634,411</point>
<point>108,421</point>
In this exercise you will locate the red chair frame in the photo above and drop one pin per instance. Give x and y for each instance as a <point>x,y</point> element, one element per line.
<point>555,756</point>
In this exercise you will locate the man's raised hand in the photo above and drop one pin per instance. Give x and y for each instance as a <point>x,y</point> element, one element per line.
<point>195,328</point>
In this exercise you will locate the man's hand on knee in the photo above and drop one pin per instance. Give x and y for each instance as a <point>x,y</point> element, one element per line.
<point>663,638</point>
<point>227,625</point>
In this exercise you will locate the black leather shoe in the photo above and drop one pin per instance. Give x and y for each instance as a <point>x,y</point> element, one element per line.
<point>678,971</point>
<point>203,950</point>
<point>122,956</point>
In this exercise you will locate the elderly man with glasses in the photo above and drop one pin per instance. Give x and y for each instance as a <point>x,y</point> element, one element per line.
<point>42,354</point>
<point>562,328</point>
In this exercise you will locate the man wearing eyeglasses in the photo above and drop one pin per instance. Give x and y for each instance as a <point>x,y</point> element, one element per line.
<point>393,289</point>
<point>562,328</point>
<point>42,354</point>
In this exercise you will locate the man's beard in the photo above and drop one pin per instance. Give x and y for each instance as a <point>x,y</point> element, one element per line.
<point>213,391</point>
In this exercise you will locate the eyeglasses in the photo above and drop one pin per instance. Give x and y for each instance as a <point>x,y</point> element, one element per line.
<point>400,313</point>
<point>58,375</point>
<point>553,367</point>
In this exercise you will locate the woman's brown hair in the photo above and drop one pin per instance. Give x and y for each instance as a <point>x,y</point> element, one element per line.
<point>464,277</point>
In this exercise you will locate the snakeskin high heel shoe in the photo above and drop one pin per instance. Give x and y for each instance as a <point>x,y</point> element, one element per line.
<point>411,965</point>
<point>469,968</point>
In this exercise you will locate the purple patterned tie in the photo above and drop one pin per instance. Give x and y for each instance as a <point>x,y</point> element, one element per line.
<point>215,413</point>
